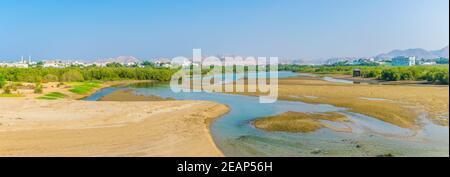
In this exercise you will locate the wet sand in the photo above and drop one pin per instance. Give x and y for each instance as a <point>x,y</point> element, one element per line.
<point>30,127</point>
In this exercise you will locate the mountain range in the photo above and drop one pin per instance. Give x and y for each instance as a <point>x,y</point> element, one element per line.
<point>417,52</point>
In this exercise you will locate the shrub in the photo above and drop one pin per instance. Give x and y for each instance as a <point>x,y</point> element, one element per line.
<point>429,76</point>
<point>72,76</point>
<point>114,65</point>
<point>13,86</point>
<point>38,89</point>
<point>406,75</point>
<point>39,74</point>
<point>50,78</point>
<point>390,75</point>
<point>372,73</point>
<point>7,89</point>
<point>435,74</point>
<point>442,77</point>
<point>60,84</point>
<point>2,81</point>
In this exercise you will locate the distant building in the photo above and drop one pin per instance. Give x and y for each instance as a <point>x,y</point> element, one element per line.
<point>428,63</point>
<point>14,65</point>
<point>21,64</point>
<point>404,61</point>
<point>163,62</point>
<point>53,64</point>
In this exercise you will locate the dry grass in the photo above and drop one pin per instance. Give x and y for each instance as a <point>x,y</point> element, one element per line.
<point>300,122</point>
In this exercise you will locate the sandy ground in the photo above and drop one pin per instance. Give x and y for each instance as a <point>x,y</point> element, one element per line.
<point>53,87</point>
<point>70,127</point>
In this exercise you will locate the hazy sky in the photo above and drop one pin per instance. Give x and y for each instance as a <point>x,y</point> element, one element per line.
<point>308,29</point>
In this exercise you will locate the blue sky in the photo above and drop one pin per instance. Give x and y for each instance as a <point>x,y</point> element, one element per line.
<point>307,29</point>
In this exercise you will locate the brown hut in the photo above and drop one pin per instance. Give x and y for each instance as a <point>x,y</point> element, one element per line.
<point>356,73</point>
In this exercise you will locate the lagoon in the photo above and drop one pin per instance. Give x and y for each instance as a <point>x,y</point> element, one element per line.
<point>236,136</point>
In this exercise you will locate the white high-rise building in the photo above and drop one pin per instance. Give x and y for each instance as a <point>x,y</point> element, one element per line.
<point>404,61</point>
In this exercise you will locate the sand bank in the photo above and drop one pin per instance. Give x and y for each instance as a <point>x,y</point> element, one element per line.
<point>301,122</point>
<point>129,95</point>
<point>31,127</point>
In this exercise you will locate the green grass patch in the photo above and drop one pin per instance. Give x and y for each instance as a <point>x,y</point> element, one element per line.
<point>47,98</point>
<point>5,95</point>
<point>52,96</point>
<point>84,87</point>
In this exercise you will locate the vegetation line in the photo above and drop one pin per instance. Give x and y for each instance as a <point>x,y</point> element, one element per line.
<point>434,74</point>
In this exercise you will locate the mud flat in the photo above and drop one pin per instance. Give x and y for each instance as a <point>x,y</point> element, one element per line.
<point>298,122</point>
<point>400,105</point>
<point>236,135</point>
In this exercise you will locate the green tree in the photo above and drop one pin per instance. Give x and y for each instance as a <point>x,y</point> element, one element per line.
<point>442,77</point>
<point>114,65</point>
<point>390,75</point>
<point>72,76</point>
<point>50,78</point>
<point>40,64</point>
<point>147,64</point>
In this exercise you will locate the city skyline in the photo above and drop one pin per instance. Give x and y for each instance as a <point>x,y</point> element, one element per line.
<point>287,29</point>
<point>414,52</point>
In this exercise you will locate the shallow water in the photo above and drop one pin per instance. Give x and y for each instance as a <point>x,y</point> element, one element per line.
<point>332,79</point>
<point>327,78</point>
<point>236,136</point>
<point>373,99</point>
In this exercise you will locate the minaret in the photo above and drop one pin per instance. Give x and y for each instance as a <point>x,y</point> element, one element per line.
<point>29,59</point>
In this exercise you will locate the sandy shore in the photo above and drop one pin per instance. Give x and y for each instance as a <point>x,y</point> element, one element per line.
<point>31,127</point>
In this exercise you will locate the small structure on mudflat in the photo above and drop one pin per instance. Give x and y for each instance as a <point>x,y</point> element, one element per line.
<point>356,73</point>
